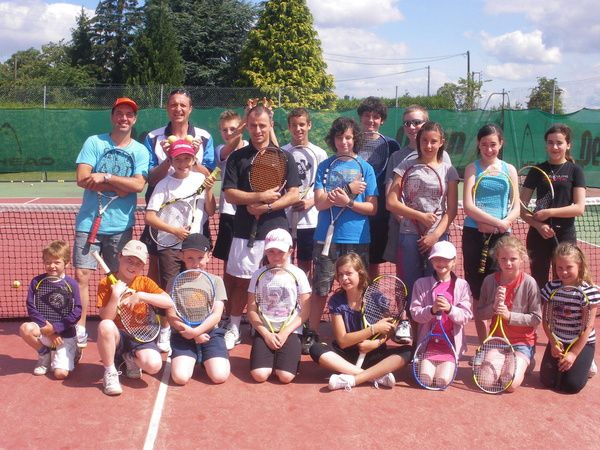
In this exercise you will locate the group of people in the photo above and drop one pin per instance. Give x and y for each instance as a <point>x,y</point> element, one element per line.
<point>375,226</point>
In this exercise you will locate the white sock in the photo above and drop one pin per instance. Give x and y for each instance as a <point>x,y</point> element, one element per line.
<point>235,321</point>
<point>164,329</point>
<point>110,369</point>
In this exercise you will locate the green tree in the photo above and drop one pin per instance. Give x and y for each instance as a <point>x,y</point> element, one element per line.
<point>211,34</point>
<point>114,27</point>
<point>155,56</point>
<point>465,95</point>
<point>283,54</point>
<point>80,50</point>
<point>541,96</point>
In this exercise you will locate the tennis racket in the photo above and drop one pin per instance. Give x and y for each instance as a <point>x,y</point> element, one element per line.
<point>421,189</point>
<point>338,175</point>
<point>567,315</point>
<point>114,161</point>
<point>542,194</point>
<point>276,293</point>
<point>494,361</point>
<point>307,163</point>
<point>179,213</point>
<point>268,170</point>
<point>385,297</point>
<point>493,193</point>
<point>375,149</point>
<point>53,298</point>
<point>435,362</point>
<point>139,321</point>
<point>193,293</point>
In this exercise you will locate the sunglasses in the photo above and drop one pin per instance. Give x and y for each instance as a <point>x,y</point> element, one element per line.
<point>414,122</point>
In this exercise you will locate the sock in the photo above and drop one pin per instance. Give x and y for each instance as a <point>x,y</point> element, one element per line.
<point>110,369</point>
<point>235,321</point>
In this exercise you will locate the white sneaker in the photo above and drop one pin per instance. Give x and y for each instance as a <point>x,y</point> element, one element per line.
<point>111,383</point>
<point>164,340</point>
<point>43,364</point>
<point>341,381</point>
<point>593,369</point>
<point>387,380</point>
<point>403,333</point>
<point>232,338</point>
<point>82,336</point>
<point>132,370</point>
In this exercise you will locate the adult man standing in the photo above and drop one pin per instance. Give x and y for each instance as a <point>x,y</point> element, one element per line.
<point>117,222</point>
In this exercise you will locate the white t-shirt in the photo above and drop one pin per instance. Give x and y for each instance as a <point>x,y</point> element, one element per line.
<point>307,219</point>
<point>170,188</point>
<point>224,206</point>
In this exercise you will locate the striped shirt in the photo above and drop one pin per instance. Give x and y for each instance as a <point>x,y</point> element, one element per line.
<point>570,305</point>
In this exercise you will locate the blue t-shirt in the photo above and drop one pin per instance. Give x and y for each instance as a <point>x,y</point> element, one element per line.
<point>338,304</point>
<point>120,215</point>
<point>492,194</point>
<point>351,227</point>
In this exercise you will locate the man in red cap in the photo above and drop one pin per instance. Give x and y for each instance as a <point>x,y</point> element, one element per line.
<point>96,174</point>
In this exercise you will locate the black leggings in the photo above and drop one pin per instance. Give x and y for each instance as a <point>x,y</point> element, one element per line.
<point>574,379</point>
<point>540,251</point>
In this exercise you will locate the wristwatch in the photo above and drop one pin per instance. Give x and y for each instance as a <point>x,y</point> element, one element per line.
<point>350,203</point>
<point>107,177</point>
<point>269,208</point>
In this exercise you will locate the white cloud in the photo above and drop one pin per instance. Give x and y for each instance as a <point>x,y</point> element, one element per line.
<point>512,71</point>
<point>517,46</point>
<point>32,23</point>
<point>359,13</point>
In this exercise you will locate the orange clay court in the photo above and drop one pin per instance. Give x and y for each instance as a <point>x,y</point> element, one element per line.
<point>40,412</point>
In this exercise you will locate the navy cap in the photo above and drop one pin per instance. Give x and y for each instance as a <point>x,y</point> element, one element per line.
<point>196,242</point>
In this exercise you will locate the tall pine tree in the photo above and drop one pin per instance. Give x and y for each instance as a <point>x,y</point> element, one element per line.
<point>81,50</point>
<point>283,53</point>
<point>114,27</point>
<point>155,56</point>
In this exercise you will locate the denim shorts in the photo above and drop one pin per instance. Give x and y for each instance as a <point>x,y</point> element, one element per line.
<point>324,266</point>
<point>108,245</point>
<point>527,350</point>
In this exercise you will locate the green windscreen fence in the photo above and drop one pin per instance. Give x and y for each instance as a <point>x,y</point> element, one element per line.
<point>50,139</point>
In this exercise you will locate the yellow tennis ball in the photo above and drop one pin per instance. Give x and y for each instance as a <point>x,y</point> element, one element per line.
<point>172,139</point>
<point>189,138</point>
<point>16,284</point>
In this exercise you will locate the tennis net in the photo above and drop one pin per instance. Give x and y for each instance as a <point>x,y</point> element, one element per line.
<point>26,229</point>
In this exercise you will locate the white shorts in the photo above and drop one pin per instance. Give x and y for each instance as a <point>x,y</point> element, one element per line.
<point>243,261</point>
<point>63,357</point>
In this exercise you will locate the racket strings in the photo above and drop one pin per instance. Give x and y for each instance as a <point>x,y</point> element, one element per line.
<point>341,171</point>
<point>268,170</point>
<point>177,214</point>
<point>54,299</point>
<point>432,357</point>
<point>193,294</point>
<point>494,365</point>
<point>385,297</point>
<point>375,151</point>
<point>116,162</point>
<point>493,194</point>
<point>566,317</point>
<point>140,321</point>
<point>276,295</point>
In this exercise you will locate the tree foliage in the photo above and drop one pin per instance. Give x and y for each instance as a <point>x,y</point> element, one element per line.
<point>283,53</point>
<point>211,34</point>
<point>155,58</point>
<point>464,95</point>
<point>541,96</point>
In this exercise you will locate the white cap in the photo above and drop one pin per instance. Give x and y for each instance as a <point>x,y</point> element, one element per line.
<point>279,239</point>
<point>137,249</point>
<point>443,249</point>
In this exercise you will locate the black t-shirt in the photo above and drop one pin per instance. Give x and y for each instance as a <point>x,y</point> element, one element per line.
<point>564,178</point>
<point>237,177</point>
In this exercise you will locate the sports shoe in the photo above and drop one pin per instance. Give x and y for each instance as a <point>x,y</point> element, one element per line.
<point>403,333</point>
<point>78,355</point>
<point>43,363</point>
<point>132,370</point>
<point>82,336</point>
<point>593,369</point>
<point>232,338</point>
<point>111,384</point>
<point>164,340</point>
<point>341,381</point>
<point>387,380</point>
<point>477,359</point>
<point>309,338</point>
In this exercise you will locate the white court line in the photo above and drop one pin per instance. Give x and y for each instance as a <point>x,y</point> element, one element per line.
<point>31,201</point>
<point>158,407</point>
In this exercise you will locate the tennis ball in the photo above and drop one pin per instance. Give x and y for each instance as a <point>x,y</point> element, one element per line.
<point>16,284</point>
<point>172,139</point>
<point>189,138</point>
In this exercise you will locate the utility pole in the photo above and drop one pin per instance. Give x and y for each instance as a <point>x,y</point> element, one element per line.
<point>428,80</point>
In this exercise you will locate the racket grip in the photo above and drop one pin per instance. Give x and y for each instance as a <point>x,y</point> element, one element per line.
<point>94,230</point>
<point>360,360</point>
<point>104,267</point>
<point>253,232</point>
<point>328,239</point>
<point>483,259</point>
<point>294,225</point>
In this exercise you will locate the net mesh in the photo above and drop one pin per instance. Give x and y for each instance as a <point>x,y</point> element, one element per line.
<point>26,229</point>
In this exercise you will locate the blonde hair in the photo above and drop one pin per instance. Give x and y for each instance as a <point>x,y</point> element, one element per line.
<point>57,249</point>
<point>569,249</point>
<point>357,264</point>
<point>513,242</point>
<point>416,108</point>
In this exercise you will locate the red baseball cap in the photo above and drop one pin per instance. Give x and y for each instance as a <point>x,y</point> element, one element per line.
<point>125,101</point>
<point>180,147</point>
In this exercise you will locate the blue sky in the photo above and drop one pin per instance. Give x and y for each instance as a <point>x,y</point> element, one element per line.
<point>511,43</point>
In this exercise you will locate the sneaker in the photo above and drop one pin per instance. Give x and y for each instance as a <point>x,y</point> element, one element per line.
<point>232,338</point>
<point>132,370</point>
<point>43,363</point>
<point>477,359</point>
<point>341,381</point>
<point>78,354</point>
<point>309,338</point>
<point>530,367</point>
<point>164,340</point>
<point>111,384</point>
<point>403,333</point>
<point>82,336</point>
<point>387,380</point>
<point>593,369</point>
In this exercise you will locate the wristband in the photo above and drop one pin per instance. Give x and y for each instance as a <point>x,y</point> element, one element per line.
<point>372,330</point>
<point>350,203</point>
<point>269,208</point>
<point>107,177</point>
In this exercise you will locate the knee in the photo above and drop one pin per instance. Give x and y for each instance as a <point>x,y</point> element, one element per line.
<point>153,365</point>
<point>219,377</point>
<point>180,379</point>
<point>27,329</point>
<point>61,374</point>
<point>106,327</point>
<point>572,386</point>
<point>260,375</point>
<point>285,377</point>
<point>83,277</point>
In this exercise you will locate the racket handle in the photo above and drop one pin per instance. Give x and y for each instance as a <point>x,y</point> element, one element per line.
<point>94,230</point>
<point>253,232</point>
<point>294,225</point>
<point>328,239</point>
<point>483,259</point>
<point>104,267</point>
<point>360,360</point>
